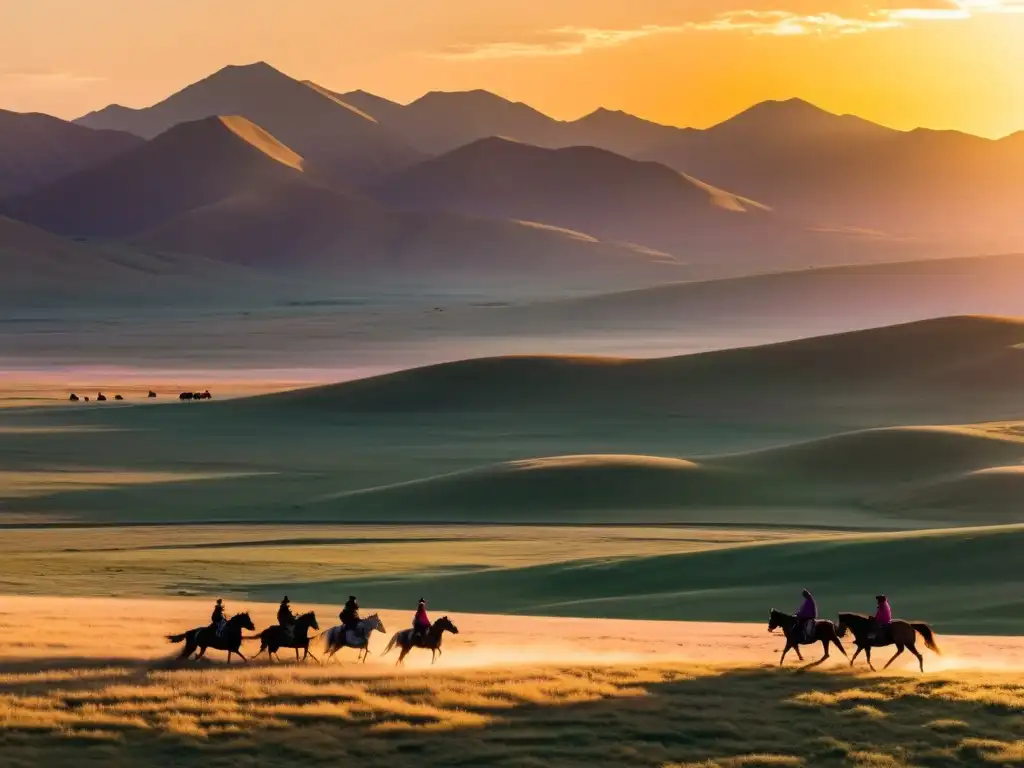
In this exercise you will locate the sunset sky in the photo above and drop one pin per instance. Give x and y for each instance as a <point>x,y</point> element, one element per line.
<point>937,63</point>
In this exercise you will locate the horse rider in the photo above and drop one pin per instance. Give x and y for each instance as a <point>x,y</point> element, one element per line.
<point>807,616</point>
<point>349,615</point>
<point>882,618</point>
<point>217,619</point>
<point>420,622</point>
<point>285,617</point>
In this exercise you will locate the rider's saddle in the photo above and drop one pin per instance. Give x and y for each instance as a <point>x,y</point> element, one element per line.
<point>805,630</point>
<point>880,635</point>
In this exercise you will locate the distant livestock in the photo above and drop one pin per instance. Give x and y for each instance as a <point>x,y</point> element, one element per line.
<point>100,397</point>
<point>87,398</point>
<point>196,395</point>
<point>73,398</point>
<point>151,394</point>
<point>118,397</point>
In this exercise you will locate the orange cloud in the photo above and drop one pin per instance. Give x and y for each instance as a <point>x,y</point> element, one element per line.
<point>577,40</point>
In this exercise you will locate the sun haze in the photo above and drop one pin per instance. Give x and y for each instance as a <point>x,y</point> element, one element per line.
<point>904,63</point>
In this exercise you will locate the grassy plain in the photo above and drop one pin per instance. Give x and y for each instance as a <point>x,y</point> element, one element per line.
<point>88,682</point>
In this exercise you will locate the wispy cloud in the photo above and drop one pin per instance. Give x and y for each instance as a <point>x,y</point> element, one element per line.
<point>786,24</point>
<point>575,41</point>
<point>561,41</point>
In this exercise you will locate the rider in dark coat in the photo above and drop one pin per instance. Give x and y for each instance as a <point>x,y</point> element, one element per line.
<point>285,617</point>
<point>350,613</point>
<point>217,618</point>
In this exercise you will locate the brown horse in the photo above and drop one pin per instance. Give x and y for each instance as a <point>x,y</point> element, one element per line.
<point>431,639</point>
<point>824,632</point>
<point>229,640</point>
<point>902,634</point>
<point>276,637</point>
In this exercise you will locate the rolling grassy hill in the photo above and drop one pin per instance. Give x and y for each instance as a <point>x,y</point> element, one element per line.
<point>765,434</point>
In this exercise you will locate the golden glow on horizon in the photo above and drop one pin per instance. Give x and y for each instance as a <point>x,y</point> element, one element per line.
<point>938,63</point>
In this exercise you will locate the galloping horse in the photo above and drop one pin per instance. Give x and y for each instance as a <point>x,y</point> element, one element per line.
<point>338,638</point>
<point>229,640</point>
<point>276,637</point>
<point>902,634</point>
<point>824,633</point>
<point>432,639</point>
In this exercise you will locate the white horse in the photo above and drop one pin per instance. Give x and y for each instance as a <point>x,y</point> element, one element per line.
<point>338,638</point>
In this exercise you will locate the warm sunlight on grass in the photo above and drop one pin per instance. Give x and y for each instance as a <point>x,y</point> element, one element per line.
<point>678,716</point>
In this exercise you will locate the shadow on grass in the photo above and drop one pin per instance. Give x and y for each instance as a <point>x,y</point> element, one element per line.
<point>648,716</point>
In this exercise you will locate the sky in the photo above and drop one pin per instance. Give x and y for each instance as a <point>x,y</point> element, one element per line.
<point>955,64</point>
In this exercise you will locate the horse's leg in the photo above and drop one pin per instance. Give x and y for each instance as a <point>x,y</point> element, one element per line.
<point>239,653</point>
<point>855,655</point>
<point>202,652</point>
<point>867,655</point>
<point>297,654</point>
<point>310,654</point>
<point>899,650</point>
<point>796,647</point>
<point>433,655</point>
<point>229,657</point>
<point>784,652</point>
<point>913,650</point>
<point>402,655</point>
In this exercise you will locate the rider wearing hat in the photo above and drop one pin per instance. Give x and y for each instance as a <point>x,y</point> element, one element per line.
<point>350,613</point>
<point>217,619</point>
<point>285,617</point>
<point>420,622</point>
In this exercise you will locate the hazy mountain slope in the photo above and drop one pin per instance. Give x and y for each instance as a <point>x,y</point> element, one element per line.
<point>43,269</point>
<point>37,149</point>
<point>797,303</point>
<point>844,171</point>
<point>582,188</point>
<point>191,165</point>
<point>335,138</point>
<point>297,224</point>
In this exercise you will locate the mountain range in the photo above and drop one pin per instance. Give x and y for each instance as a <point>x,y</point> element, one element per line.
<point>252,167</point>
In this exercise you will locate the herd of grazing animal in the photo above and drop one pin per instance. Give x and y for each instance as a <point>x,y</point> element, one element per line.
<point>100,397</point>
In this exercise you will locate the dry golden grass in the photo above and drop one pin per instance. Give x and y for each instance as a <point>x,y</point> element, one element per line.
<point>683,716</point>
<point>87,682</point>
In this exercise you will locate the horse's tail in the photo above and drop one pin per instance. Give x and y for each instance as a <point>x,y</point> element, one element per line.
<point>178,638</point>
<point>391,643</point>
<point>251,637</point>
<point>928,635</point>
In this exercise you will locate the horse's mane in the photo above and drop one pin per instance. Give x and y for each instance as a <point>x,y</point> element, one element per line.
<point>854,615</point>
<point>240,615</point>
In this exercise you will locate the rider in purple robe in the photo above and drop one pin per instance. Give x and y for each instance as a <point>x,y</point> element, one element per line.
<point>807,615</point>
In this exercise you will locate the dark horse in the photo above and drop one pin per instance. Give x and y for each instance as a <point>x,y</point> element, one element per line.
<point>230,639</point>
<point>431,639</point>
<point>902,634</point>
<point>824,632</point>
<point>276,637</point>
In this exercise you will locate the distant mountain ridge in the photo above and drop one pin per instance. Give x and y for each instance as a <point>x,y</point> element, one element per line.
<point>341,141</point>
<point>191,165</point>
<point>37,149</point>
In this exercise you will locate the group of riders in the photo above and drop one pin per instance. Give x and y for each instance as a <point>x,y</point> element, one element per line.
<point>808,615</point>
<point>349,617</point>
